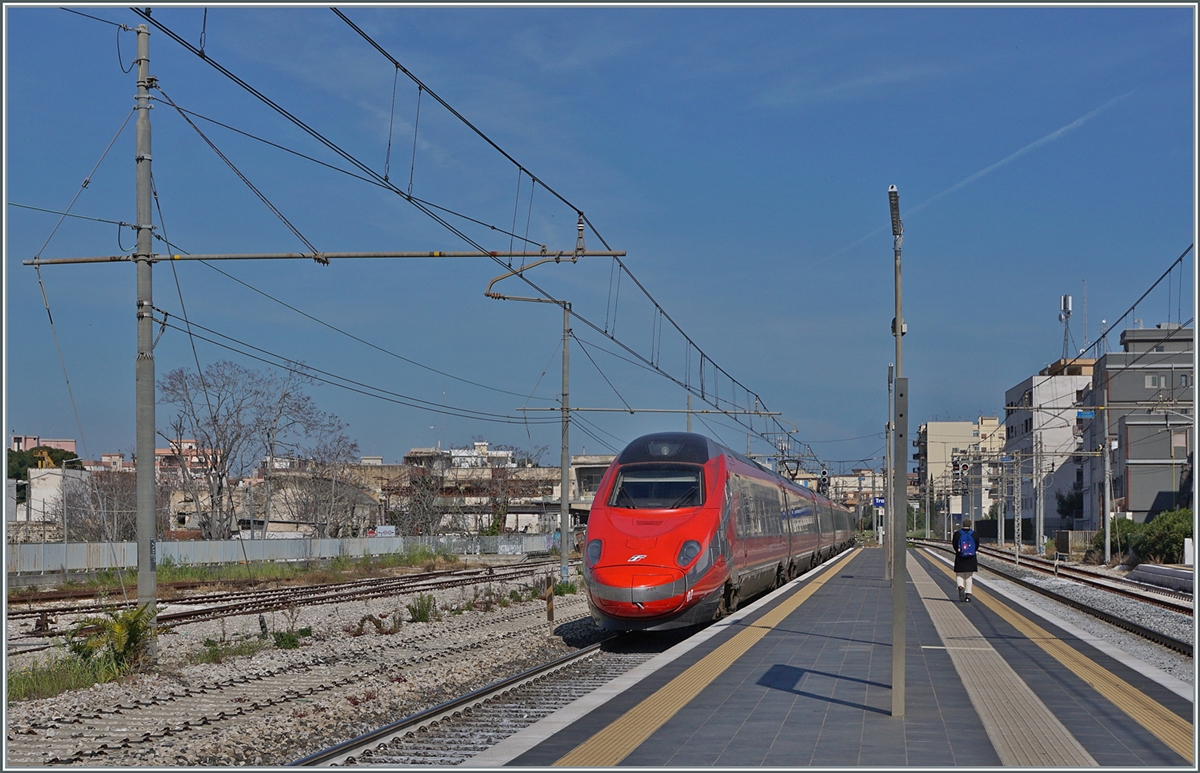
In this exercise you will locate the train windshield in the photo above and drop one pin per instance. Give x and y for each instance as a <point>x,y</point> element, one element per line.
<point>658,486</point>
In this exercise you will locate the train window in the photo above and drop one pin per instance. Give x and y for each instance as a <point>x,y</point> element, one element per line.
<point>658,486</point>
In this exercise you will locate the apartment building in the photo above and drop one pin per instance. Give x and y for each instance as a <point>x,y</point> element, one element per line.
<point>1141,401</point>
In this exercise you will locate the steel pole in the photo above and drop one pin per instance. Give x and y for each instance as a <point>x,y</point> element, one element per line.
<point>144,369</point>
<point>1106,449</point>
<point>899,478</point>
<point>565,478</point>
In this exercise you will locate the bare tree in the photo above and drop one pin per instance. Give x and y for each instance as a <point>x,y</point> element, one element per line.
<point>421,502</point>
<point>290,424</point>
<point>103,507</point>
<point>237,417</point>
<point>323,493</point>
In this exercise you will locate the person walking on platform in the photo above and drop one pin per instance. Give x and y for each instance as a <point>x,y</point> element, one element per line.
<point>965,562</point>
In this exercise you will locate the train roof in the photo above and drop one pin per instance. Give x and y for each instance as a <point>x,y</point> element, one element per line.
<point>670,447</point>
<point>691,448</point>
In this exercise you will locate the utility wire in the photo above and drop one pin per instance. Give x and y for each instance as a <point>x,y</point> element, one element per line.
<point>584,349</point>
<point>342,381</point>
<point>358,177</point>
<point>334,328</point>
<point>97,18</point>
<point>262,197</point>
<point>1103,337</point>
<point>86,182</point>
<point>423,87</point>
<point>71,214</point>
<point>367,170</point>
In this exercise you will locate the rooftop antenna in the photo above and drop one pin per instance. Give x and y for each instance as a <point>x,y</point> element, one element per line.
<point>1064,317</point>
<point>1086,342</point>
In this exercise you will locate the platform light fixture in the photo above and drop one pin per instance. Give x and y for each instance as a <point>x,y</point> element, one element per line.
<point>894,202</point>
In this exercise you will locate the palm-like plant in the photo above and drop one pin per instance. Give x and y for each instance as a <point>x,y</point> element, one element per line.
<point>116,641</point>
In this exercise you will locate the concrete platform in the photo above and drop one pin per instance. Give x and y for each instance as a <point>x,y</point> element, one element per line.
<point>803,678</point>
<point>1174,577</point>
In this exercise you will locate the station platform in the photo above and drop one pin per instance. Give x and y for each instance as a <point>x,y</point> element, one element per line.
<point>802,677</point>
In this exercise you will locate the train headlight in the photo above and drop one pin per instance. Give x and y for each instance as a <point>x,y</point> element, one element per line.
<point>688,552</point>
<point>593,551</point>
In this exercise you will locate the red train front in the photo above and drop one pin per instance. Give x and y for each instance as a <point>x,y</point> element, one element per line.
<point>658,548</point>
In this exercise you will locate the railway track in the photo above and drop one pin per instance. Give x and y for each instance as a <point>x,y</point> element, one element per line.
<point>455,731</point>
<point>1136,592</point>
<point>212,606</point>
<point>360,666</point>
<point>293,591</point>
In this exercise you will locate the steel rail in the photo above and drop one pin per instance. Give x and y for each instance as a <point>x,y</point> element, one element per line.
<point>258,602</point>
<point>385,734</point>
<point>290,590</point>
<point>1168,599</point>
<point>1148,633</point>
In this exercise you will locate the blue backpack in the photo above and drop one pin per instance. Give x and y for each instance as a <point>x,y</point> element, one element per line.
<point>966,543</point>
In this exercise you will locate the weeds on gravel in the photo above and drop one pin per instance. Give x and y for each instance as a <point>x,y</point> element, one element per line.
<point>45,680</point>
<point>422,609</point>
<point>380,626</point>
<point>565,588</point>
<point>219,652</point>
<point>368,695</point>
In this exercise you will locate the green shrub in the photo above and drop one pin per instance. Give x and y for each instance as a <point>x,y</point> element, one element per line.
<point>1161,540</point>
<point>565,588</point>
<point>305,631</point>
<point>286,640</point>
<point>1123,534</point>
<point>115,642</point>
<point>422,609</point>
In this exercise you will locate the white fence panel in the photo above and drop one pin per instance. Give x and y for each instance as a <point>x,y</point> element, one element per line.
<point>42,557</point>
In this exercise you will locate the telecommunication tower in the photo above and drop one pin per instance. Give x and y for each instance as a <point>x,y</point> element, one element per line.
<point>1064,317</point>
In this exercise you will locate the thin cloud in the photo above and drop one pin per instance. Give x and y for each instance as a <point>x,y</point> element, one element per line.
<point>1054,135</point>
<point>794,93</point>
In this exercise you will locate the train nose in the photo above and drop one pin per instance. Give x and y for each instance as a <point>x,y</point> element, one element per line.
<point>637,590</point>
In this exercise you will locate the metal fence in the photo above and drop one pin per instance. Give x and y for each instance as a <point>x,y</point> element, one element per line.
<point>39,558</point>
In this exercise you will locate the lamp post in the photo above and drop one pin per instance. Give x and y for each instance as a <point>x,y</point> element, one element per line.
<point>899,477</point>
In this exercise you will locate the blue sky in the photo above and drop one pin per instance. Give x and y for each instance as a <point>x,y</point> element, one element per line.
<point>740,156</point>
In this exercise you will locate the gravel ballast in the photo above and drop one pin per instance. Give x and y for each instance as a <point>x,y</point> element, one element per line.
<point>391,676</point>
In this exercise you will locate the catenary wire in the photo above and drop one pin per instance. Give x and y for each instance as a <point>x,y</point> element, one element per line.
<point>342,381</point>
<point>583,348</point>
<point>333,146</point>
<point>254,189</point>
<point>362,341</point>
<point>358,177</point>
<point>97,18</point>
<point>421,86</point>
<point>86,181</point>
<point>72,214</point>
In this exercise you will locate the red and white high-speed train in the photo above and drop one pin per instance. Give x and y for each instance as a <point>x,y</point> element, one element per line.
<point>682,529</point>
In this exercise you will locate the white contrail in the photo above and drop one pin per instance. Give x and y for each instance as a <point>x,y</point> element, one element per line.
<point>1031,146</point>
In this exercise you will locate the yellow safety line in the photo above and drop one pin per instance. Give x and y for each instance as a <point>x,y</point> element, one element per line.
<point>614,743</point>
<point>1164,724</point>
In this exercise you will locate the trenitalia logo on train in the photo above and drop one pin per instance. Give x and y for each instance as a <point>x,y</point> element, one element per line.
<point>682,530</point>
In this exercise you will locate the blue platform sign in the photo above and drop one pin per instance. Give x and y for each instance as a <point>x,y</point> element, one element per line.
<point>879,502</point>
<point>1085,415</point>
